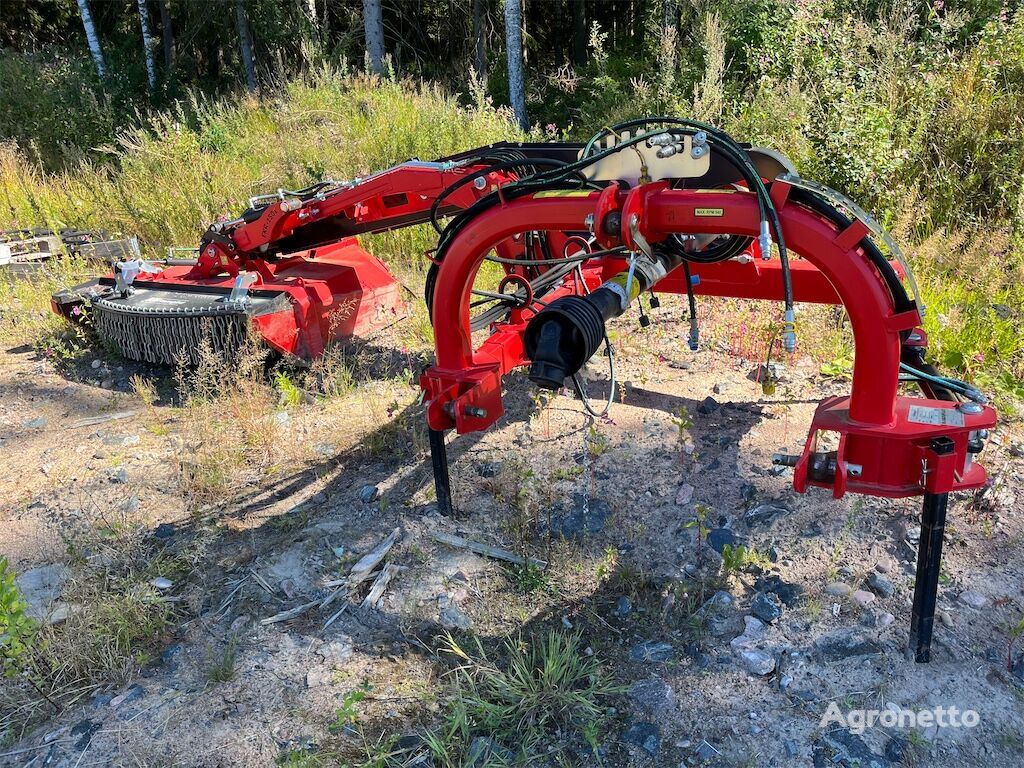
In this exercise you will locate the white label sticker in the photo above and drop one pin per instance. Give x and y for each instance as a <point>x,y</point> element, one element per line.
<point>940,417</point>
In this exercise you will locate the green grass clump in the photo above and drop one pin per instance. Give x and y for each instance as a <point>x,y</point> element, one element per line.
<point>542,695</point>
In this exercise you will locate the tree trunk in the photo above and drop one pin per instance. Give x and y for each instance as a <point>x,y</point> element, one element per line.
<point>514,49</point>
<point>579,33</point>
<point>245,44</point>
<point>373,22</point>
<point>167,34</point>
<point>671,18</point>
<point>94,41</point>
<point>639,8</point>
<point>479,39</point>
<point>147,44</point>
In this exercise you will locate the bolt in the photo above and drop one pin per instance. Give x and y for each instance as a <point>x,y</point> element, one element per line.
<point>970,408</point>
<point>914,337</point>
<point>474,412</point>
<point>480,182</point>
<point>588,222</point>
<point>697,152</point>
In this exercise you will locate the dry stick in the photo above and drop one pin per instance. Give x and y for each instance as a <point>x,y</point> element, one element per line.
<point>487,550</point>
<point>92,421</point>
<point>376,592</point>
<point>336,615</point>
<point>291,613</point>
<point>361,571</point>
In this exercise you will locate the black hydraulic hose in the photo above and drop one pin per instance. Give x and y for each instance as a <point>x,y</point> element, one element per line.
<point>507,165</point>
<point>901,301</point>
<point>737,155</point>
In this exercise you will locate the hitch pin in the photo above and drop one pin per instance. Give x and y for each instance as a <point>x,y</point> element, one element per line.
<point>819,463</point>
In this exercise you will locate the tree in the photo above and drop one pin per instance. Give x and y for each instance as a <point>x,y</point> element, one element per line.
<point>671,18</point>
<point>245,44</point>
<point>147,44</point>
<point>514,50</point>
<point>479,38</point>
<point>94,41</point>
<point>579,33</point>
<point>167,34</point>
<point>373,23</point>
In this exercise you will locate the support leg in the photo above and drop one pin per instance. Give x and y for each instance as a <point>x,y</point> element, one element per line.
<point>926,585</point>
<point>442,481</point>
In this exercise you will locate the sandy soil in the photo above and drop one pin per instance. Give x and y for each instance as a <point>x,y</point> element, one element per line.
<point>643,480</point>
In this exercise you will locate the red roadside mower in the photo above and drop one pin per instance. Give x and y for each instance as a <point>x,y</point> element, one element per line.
<point>581,232</point>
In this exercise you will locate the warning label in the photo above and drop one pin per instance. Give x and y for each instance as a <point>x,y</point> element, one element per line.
<point>940,417</point>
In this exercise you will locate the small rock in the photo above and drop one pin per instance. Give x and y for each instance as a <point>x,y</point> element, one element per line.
<point>841,747</point>
<point>337,651</point>
<point>452,618</point>
<point>763,513</point>
<point>862,597</point>
<point>645,735</point>
<point>623,607</point>
<point>239,623</point>
<point>652,651</point>
<point>40,588</point>
<point>684,494</point>
<point>288,587</point>
<point>880,585</point>
<point>368,493</point>
<point>119,476</point>
<point>654,695</point>
<point>325,450</point>
<point>708,405</point>
<point>753,630</point>
<point>886,619</point>
<point>164,531</point>
<point>946,619</point>
<point>719,538</point>
<point>846,643</point>
<point>162,583</point>
<point>838,589</point>
<point>85,730</point>
<point>585,518</point>
<point>792,749</point>
<point>766,607</point>
<point>95,364</point>
<point>756,661</point>
<point>973,599</point>
<point>132,694</point>
<point>789,594</point>
<point>39,422</point>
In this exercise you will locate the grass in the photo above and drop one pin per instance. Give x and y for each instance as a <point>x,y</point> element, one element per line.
<point>116,620</point>
<point>221,666</point>
<point>539,698</point>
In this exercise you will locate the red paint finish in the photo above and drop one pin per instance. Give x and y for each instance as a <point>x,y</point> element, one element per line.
<point>875,429</point>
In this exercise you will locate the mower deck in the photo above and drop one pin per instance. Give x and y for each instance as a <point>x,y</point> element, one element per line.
<point>298,305</point>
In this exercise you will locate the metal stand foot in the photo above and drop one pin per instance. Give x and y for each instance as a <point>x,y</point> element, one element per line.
<point>926,585</point>
<point>442,481</point>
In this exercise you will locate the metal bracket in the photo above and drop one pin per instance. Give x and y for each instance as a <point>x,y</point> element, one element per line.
<point>869,221</point>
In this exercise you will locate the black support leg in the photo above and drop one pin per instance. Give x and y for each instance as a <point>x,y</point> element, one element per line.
<point>442,481</point>
<point>926,586</point>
